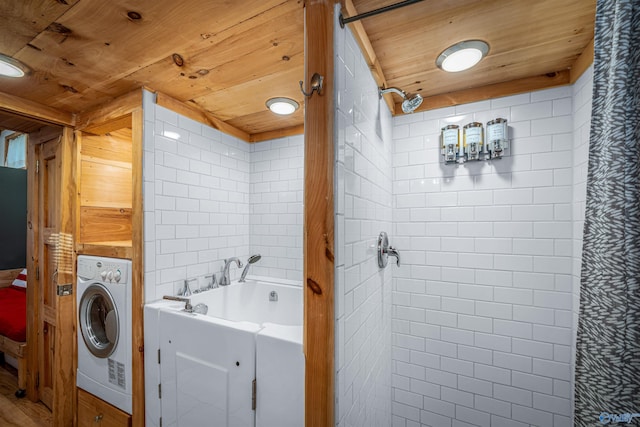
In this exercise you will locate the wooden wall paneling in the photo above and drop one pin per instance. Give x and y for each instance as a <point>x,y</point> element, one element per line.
<point>104,214</point>
<point>65,337</point>
<point>113,148</point>
<point>100,224</point>
<point>319,271</point>
<point>137,294</point>
<point>105,185</point>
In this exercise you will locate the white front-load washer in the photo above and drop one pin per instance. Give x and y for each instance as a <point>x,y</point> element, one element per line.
<point>104,329</point>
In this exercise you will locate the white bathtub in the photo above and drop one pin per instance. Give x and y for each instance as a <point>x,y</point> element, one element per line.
<point>208,362</point>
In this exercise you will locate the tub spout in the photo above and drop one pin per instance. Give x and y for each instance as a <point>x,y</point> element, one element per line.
<point>225,280</point>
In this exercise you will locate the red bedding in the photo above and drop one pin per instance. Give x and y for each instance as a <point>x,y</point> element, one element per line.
<point>13,313</point>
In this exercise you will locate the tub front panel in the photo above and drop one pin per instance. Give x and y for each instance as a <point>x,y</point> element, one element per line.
<point>207,369</point>
<point>280,376</point>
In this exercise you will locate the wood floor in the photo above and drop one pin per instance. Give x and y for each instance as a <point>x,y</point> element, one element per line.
<point>16,412</point>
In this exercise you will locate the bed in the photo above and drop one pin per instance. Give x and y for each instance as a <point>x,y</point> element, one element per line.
<point>13,325</point>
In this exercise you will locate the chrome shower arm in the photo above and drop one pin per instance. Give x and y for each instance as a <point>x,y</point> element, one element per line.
<point>402,93</point>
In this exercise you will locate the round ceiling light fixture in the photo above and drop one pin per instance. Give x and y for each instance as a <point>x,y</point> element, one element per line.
<point>282,106</point>
<point>462,56</point>
<point>10,67</point>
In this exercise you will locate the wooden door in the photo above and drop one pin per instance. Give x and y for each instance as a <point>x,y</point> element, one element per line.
<point>51,313</point>
<point>49,169</point>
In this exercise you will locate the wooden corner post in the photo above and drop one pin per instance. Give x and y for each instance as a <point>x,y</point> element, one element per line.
<point>319,319</point>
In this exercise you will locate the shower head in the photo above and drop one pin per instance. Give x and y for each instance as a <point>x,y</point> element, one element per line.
<point>252,260</point>
<point>409,103</point>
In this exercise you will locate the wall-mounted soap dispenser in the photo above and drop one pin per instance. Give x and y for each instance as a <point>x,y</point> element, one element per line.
<point>497,138</point>
<point>473,144</point>
<point>451,147</point>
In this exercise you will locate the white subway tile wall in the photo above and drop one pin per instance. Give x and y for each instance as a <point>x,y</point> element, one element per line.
<point>204,194</point>
<point>276,199</point>
<point>363,187</point>
<point>484,302</point>
<point>582,101</point>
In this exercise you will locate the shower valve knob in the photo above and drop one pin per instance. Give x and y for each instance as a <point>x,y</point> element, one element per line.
<point>384,250</point>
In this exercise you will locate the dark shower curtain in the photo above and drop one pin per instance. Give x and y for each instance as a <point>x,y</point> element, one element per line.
<point>607,380</point>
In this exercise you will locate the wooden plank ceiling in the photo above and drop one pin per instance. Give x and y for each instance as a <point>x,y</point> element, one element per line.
<point>527,39</point>
<point>228,57</point>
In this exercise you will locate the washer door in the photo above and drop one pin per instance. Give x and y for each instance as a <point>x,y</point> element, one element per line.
<point>99,321</point>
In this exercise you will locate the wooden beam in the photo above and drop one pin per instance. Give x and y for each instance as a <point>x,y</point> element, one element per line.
<point>369,54</point>
<point>137,271</point>
<point>582,62</point>
<point>194,112</point>
<point>275,134</point>
<point>32,109</point>
<point>319,269</point>
<point>106,249</point>
<point>111,115</point>
<point>497,90</point>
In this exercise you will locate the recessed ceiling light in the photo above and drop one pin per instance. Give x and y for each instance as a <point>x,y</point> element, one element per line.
<point>462,56</point>
<point>282,106</point>
<point>10,67</point>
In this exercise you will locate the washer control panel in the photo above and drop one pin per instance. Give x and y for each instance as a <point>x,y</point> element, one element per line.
<point>110,270</point>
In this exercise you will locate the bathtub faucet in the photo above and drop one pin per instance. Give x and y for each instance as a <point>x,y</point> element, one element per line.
<point>225,280</point>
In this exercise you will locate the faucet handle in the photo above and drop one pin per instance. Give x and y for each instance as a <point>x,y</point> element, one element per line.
<point>187,302</point>
<point>394,252</point>
<point>211,284</point>
<point>187,290</point>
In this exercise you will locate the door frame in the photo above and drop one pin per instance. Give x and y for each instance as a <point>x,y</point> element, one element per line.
<point>47,115</point>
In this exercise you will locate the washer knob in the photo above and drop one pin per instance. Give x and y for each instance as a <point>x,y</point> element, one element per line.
<point>117,275</point>
<point>110,275</point>
<point>103,274</point>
